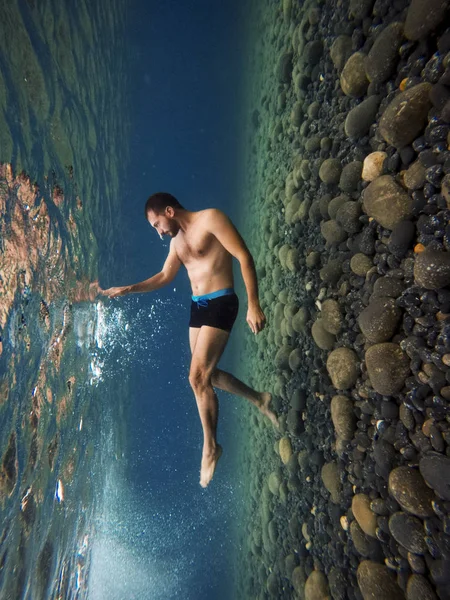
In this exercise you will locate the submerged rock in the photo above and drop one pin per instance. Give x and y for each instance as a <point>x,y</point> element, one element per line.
<point>388,367</point>
<point>316,587</point>
<point>408,531</point>
<point>373,165</point>
<point>340,51</point>
<point>342,366</point>
<point>410,490</point>
<point>343,417</point>
<point>379,320</point>
<point>361,117</point>
<point>423,17</point>
<point>432,269</point>
<point>367,519</point>
<point>331,480</point>
<point>387,202</point>
<point>353,79</point>
<point>383,56</point>
<point>406,115</point>
<point>419,587</point>
<point>330,170</point>
<point>323,339</point>
<point>376,581</point>
<point>365,545</point>
<point>331,316</point>
<point>435,469</point>
<point>285,449</point>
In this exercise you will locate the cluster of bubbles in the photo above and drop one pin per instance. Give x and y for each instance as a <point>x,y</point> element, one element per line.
<point>122,337</point>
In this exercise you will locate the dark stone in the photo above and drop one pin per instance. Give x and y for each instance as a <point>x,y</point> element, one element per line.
<point>435,469</point>
<point>384,455</point>
<point>387,287</point>
<point>383,56</point>
<point>361,117</point>
<point>379,320</point>
<point>350,177</point>
<point>424,17</point>
<point>387,367</point>
<point>401,238</point>
<point>285,68</point>
<point>406,115</point>
<point>408,531</point>
<point>432,269</point>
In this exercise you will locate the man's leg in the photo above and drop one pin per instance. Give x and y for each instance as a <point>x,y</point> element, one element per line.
<point>231,384</point>
<point>209,345</point>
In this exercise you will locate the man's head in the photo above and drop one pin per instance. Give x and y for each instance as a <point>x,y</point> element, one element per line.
<point>160,212</point>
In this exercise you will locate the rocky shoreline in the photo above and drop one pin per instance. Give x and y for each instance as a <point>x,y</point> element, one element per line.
<point>348,216</point>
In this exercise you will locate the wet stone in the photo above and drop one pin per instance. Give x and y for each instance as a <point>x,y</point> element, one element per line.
<point>295,423</point>
<point>379,320</point>
<point>432,269</point>
<point>362,512</point>
<point>384,455</point>
<point>401,238</point>
<point>331,316</point>
<point>316,586</point>
<point>340,51</point>
<point>435,469</point>
<point>411,492</point>
<point>406,115</point>
<point>342,366</point>
<point>387,202</point>
<point>414,178</point>
<point>376,581</point>
<point>353,78</point>
<point>365,545</point>
<point>330,171</point>
<point>422,18</point>
<point>331,480</point>
<point>387,287</point>
<point>383,56</point>
<point>360,264</point>
<point>408,531</point>
<point>387,367</point>
<point>284,69</point>
<point>343,417</point>
<point>350,176</point>
<point>323,339</point>
<point>419,587</point>
<point>361,117</point>
<point>373,165</point>
<point>332,232</point>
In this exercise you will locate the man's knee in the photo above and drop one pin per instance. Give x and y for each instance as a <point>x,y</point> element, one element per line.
<point>199,378</point>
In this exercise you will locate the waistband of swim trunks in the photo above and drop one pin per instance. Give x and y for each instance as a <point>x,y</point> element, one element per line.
<point>212,295</point>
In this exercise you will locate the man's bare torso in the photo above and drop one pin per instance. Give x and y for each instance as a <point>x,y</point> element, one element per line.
<point>208,264</point>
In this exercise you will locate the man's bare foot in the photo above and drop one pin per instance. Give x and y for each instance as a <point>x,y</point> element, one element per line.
<point>208,466</point>
<point>266,398</point>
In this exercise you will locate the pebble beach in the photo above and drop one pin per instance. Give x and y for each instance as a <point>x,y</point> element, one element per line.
<point>347,213</point>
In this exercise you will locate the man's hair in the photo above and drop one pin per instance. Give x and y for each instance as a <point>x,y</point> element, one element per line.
<point>157,203</point>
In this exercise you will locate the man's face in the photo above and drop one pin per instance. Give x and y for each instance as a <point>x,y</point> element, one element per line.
<point>164,223</point>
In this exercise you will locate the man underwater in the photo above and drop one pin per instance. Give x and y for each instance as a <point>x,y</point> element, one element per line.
<point>205,242</point>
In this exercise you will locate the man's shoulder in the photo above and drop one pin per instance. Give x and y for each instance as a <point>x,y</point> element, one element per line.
<point>211,214</point>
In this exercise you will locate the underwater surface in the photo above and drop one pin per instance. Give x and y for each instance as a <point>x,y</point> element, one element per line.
<point>322,128</point>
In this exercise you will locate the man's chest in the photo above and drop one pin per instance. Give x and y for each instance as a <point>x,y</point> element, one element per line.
<point>195,246</point>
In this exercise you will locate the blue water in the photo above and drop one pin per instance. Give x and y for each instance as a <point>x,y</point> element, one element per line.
<point>103,104</point>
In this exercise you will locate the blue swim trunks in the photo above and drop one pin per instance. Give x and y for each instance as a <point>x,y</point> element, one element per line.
<point>218,309</point>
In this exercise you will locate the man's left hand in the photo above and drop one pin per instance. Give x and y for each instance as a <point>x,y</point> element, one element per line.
<point>256,318</point>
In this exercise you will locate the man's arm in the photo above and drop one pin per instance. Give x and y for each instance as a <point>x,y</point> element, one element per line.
<point>164,277</point>
<point>227,234</point>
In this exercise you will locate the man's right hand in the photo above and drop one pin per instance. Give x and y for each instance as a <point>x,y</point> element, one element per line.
<point>115,292</point>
